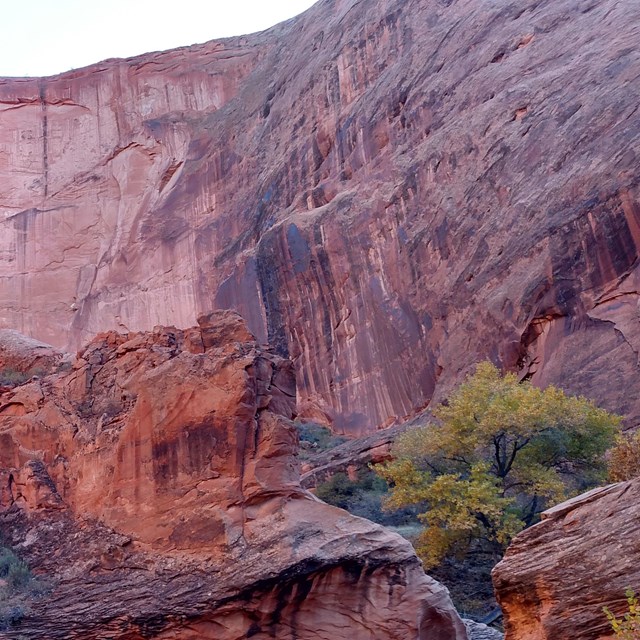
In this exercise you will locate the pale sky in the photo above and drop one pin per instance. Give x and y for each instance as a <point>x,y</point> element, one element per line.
<point>45,37</point>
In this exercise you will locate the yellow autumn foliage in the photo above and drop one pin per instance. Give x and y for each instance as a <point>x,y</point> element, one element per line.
<point>500,452</point>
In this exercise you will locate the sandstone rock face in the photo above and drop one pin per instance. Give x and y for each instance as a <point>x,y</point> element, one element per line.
<point>388,191</point>
<point>156,487</point>
<point>558,575</point>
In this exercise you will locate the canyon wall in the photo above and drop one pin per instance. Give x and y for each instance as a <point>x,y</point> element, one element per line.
<point>152,484</point>
<point>388,191</point>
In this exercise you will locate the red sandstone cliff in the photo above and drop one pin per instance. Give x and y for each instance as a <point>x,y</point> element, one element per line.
<point>155,485</point>
<point>388,191</point>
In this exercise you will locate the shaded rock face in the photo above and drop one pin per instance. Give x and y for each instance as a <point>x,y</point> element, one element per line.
<point>388,191</point>
<point>156,487</point>
<point>558,575</point>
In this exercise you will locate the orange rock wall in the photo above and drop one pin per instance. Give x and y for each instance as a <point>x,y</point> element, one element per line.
<point>129,442</point>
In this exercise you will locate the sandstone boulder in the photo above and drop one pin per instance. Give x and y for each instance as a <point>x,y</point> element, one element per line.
<point>479,631</point>
<point>558,575</point>
<point>22,357</point>
<point>155,486</point>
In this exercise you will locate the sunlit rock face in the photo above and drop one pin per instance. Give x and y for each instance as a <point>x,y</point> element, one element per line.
<point>387,191</point>
<point>154,484</point>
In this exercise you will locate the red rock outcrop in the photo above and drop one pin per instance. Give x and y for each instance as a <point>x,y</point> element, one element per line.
<point>155,486</point>
<point>389,191</point>
<point>557,576</point>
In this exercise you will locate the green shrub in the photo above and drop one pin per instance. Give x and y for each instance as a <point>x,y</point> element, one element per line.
<point>316,438</point>
<point>64,367</point>
<point>13,570</point>
<point>364,497</point>
<point>18,587</point>
<point>10,615</point>
<point>10,377</point>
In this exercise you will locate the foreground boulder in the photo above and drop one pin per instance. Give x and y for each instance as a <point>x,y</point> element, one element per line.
<point>558,575</point>
<point>155,487</point>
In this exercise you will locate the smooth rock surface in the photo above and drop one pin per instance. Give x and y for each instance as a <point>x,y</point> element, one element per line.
<point>389,191</point>
<point>558,575</point>
<point>155,486</point>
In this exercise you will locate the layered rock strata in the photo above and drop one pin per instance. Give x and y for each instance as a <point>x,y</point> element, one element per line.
<point>154,487</point>
<point>389,191</point>
<point>557,576</point>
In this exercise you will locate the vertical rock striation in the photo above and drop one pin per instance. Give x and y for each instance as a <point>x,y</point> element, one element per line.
<point>387,191</point>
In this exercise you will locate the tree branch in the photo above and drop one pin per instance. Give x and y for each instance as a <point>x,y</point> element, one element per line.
<point>457,459</point>
<point>531,508</point>
<point>516,447</point>
<point>500,446</point>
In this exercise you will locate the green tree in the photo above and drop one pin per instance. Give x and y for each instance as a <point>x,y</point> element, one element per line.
<point>500,452</point>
